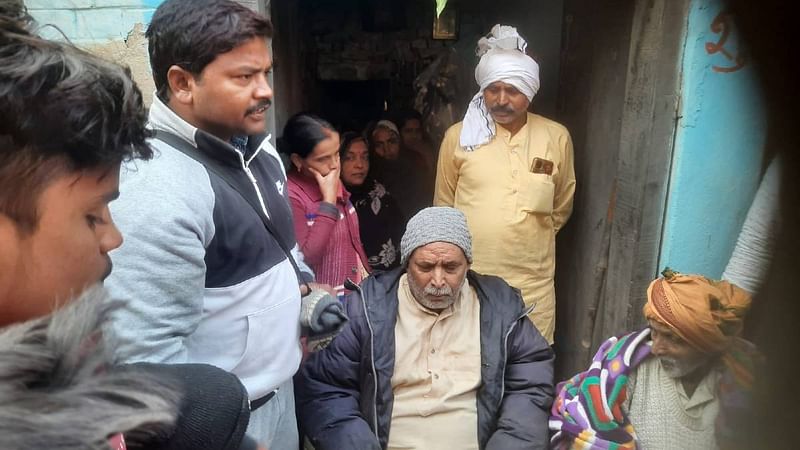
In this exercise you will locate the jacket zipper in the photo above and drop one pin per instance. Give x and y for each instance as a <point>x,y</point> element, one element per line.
<point>505,352</point>
<point>371,362</point>
<point>505,361</point>
<point>246,168</point>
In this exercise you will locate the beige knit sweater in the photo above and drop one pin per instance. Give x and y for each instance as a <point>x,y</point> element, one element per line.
<point>664,417</point>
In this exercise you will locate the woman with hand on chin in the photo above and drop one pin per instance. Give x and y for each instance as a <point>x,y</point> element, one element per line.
<point>325,222</point>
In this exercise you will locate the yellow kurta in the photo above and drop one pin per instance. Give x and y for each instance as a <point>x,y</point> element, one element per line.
<point>513,213</point>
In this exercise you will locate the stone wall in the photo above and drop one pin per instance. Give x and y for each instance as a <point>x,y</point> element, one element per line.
<point>340,48</point>
<point>113,29</point>
<point>345,51</point>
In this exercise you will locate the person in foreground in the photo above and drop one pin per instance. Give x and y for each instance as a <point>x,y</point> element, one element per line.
<point>206,281</point>
<point>67,121</point>
<point>683,383</point>
<point>434,356</point>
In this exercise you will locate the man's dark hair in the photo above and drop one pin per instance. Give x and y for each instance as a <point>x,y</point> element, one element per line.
<point>302,133</point>
<point>62,110</point>
<point>192,33</point>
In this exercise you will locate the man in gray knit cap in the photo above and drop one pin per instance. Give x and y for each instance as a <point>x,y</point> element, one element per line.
<point>434,356</point>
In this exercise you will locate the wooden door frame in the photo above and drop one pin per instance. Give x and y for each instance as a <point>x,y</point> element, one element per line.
<point>608,258</point>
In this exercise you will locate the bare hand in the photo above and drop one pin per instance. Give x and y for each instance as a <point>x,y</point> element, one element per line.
<point>328,184</point>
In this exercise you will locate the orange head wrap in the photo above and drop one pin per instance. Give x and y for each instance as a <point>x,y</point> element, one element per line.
<point>705,313</point>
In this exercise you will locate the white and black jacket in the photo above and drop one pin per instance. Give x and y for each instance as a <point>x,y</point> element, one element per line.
<point>202,278</point>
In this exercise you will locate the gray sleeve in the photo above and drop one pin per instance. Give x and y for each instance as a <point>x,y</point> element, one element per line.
<point>752,255</point>
<point>308,274</point>
<point>165,214</point>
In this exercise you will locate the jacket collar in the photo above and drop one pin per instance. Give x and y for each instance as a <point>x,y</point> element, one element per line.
<point>162,118</point>
<point>493,294</point>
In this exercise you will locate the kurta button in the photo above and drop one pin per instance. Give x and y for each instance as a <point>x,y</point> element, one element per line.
<point>436,375</point>
<point>355,270</point>
<point>433,350</point>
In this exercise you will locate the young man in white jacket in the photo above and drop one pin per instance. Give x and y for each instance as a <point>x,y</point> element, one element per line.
<point>204,279</point>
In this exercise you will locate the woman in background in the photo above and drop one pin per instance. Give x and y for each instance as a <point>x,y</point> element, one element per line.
<point>380,219</point>
<point>325,222</point>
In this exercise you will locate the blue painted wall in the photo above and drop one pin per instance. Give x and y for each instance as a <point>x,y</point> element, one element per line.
<point>93,21</point>
<point>718,155</point>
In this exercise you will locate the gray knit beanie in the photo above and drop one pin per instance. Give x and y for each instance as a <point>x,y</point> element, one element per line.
<point>436,224</point>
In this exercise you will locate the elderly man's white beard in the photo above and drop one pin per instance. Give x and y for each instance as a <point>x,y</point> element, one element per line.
<point>679,369</point>
<point>444,296</point>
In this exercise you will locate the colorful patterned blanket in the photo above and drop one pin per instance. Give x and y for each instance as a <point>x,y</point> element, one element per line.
<point>587,411</point>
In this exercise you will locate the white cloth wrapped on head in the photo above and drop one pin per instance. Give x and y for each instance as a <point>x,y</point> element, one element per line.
<point>386,124</point>
<point>503,59</point>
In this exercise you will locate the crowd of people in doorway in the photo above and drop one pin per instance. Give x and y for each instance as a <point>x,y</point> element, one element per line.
<point>364,292</point>
<point>353,192</point>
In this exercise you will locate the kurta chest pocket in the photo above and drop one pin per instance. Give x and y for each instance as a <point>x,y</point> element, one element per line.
<point>536,193</point>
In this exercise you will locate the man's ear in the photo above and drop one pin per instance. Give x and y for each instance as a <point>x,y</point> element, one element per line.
<point>181,84</point>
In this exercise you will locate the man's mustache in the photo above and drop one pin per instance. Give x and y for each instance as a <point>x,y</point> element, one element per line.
<point>109,267</point>
<point>502,110</point>
<point>262,104</point>
<point>438,292</point>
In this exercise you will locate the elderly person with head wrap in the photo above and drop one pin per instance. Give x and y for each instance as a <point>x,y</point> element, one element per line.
<point>435,356</point>
<point>511,173</point>
<point>683,383</point>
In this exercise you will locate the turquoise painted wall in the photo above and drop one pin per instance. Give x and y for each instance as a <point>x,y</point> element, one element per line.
<point>92,21</point>
<point>719,145</point>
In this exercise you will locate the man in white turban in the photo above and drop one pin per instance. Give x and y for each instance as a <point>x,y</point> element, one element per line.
<point>511,173</point>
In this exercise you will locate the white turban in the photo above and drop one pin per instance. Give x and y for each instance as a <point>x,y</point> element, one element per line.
<point>503,59</point>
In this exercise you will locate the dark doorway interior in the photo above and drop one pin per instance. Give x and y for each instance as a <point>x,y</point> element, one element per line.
<point>350,105</point>
<point>322,42</point>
